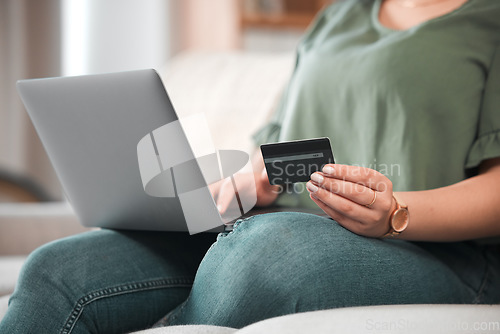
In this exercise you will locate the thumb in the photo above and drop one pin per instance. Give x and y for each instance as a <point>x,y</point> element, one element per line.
<point>264,181</point>
<point>226,195</point>
<point>263,175</point>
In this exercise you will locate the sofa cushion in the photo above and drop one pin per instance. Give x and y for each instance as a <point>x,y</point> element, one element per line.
<point>10,266</point>
<point>427,319</point>
<point>237,91</point>
<point>191,329</point>
<point>4,302</point>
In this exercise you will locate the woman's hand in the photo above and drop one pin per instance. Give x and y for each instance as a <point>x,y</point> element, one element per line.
<point>360,199</point>
<point>246,182</point>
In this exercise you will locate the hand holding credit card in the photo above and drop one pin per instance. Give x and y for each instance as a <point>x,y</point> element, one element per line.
<point>295,161</point>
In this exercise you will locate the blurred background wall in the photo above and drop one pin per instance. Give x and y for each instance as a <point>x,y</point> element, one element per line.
<point>30,47</point>
<point>44,38</point>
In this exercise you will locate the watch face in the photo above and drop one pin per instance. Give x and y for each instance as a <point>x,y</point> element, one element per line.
<point>400,220</point>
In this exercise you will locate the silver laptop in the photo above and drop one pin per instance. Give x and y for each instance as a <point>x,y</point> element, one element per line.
<point>90,127</point>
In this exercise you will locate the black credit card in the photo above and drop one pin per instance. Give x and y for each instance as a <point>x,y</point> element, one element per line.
<point>295,161</point>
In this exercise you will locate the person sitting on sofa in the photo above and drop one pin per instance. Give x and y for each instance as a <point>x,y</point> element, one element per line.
<point>408,91</point>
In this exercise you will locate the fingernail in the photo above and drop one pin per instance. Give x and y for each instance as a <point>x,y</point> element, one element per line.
<point>311,187</point>
<point>318,178</point>
<point>219,207</point>
<point>328,170</point>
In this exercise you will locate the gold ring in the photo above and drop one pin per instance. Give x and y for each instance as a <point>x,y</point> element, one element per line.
<point>373,200</point>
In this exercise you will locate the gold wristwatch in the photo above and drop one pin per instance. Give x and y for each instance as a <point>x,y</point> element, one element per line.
<point>398,222</point>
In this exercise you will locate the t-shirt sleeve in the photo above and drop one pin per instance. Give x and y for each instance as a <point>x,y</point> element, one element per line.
<point>487,143</point>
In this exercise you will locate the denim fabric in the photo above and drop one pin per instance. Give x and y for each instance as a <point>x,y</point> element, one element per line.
<point>270,265</point>
<point>283,263</point>
<point>104,282</point>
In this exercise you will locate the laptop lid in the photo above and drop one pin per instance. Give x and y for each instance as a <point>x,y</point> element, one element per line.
<point>90,127</point>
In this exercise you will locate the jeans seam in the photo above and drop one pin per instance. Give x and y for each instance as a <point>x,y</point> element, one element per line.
<point>482,287</point>
<point>118,290</point>
<point>176,312</point>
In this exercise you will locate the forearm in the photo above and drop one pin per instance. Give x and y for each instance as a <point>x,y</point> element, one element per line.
<point>467,210</point>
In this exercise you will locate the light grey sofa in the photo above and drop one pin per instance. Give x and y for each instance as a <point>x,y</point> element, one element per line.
<point>429,319</point>
<point>24,227</point>
<point>239,91</point>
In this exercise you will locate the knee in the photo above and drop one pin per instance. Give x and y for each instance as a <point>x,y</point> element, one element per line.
<point>272,247</point>
<point>48,264</point>
<point>263,267</point>
<point>61,267</point>
<point>282,249</point>
<point>290,237</point>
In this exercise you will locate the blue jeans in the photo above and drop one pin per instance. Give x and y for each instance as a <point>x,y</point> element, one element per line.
<point>274,264</point>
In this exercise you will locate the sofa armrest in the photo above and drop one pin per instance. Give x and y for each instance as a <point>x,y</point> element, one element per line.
<point>26,226</point>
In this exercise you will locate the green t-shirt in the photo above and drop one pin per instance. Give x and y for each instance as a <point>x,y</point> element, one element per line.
<point>421,106</point>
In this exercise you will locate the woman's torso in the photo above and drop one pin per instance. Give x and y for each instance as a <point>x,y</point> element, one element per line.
<point>406,103</point>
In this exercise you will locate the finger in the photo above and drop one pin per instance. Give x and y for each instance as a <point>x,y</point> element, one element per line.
<point>353,191</point>
<point>346,207</point>
<point>337,216</point>
<point>344,221</point>
<point>226,196</point>
<point>361,175</point>
<point>214,188</point>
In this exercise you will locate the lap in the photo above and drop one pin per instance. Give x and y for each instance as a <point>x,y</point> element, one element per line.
<point>283,263</point>
<point>269,265</point>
